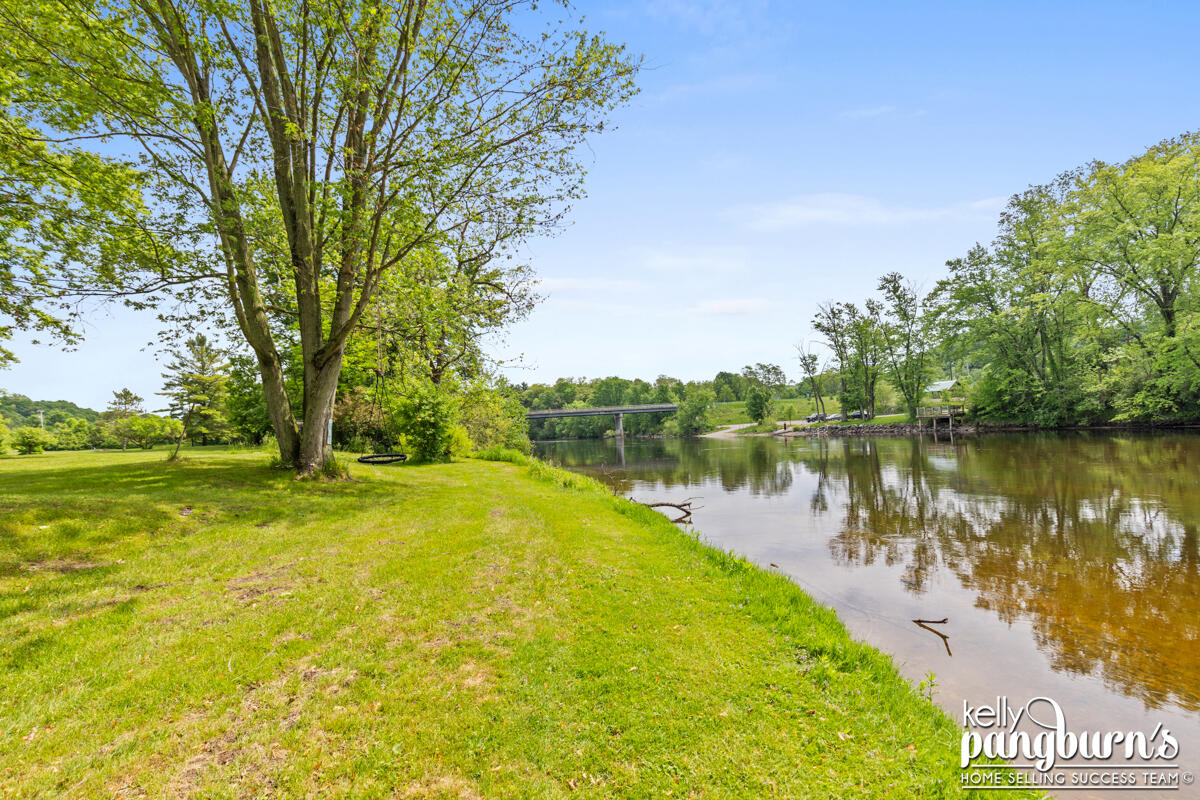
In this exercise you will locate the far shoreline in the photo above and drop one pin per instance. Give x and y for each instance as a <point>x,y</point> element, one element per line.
<point>902,429</point>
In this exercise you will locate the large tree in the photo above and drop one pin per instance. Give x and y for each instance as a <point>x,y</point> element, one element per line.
<point>810,367</point>
<point>313,146</point>
<point>868,343</point>
<point>123,409</point>
<point>906,332</point>
<point>1133,232</point>
<point>1017,310</point>
<point>196,385</point>
<point>830,321</point>
<point>57,207</point>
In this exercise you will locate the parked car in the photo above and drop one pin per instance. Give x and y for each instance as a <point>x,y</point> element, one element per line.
<point>815,417</point>
<point>834,418</point>
<point>856,415</point>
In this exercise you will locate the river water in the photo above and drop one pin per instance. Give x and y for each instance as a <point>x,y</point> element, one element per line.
<point>1065,566</point>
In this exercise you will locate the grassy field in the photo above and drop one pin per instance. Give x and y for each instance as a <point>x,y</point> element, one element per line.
<point>477,629</point>
<point>735,412</point>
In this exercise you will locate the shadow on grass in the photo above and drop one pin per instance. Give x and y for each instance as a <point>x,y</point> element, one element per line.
<point>59,523</point>
<point>66,530</point>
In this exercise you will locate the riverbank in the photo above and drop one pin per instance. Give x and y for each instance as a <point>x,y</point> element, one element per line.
<point>884,429</point>
<point>967,428</point>
<point>473,629</point>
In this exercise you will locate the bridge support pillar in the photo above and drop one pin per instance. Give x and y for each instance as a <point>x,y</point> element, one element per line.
<point>620,429</point>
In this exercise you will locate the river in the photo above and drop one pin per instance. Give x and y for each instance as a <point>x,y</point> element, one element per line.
<point>1065,565</point>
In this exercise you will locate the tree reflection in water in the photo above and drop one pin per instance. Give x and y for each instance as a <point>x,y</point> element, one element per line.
<point>1090,538</point>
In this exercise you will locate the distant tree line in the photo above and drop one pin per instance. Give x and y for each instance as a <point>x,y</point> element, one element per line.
<point>763,387</point>
<point>427,398</point>
<point>65,426</point>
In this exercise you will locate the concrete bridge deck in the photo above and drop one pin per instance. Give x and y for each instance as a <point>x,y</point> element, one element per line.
<point>617,412</point>
<point>601,411</point>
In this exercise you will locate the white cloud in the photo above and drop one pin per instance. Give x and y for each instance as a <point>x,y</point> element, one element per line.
<point>853,210</point>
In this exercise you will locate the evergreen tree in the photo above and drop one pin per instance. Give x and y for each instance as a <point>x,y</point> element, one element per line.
<point>196,385</point>
<point>122,410</point>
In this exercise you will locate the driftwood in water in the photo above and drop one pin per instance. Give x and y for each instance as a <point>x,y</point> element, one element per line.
<point>925,623</point>
<point>685,508</point>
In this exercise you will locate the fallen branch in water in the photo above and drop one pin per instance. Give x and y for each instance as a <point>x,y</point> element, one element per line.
<point>925,623</point>
<point>684,507</point>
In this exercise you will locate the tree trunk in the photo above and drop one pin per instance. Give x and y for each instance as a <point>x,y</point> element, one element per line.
<point>279,409</point>
<point>182,433</point>
<point>321,391</point>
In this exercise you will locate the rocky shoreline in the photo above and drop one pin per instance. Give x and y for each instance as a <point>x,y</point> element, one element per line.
<point>967,428</point>
<point>890,429</point>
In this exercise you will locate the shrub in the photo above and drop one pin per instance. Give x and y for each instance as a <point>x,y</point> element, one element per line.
<point>460,441</point>
<point>503,454</point>
<point>758,404</point>
<point>427,420</point>
<point>495,418</point>
<point>360,423</point>
<point>29,440</point>
<point>73,434</point>
<point>148,430</point>
<point>693,413</point>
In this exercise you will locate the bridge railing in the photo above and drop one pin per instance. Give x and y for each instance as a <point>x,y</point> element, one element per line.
<point>942,410</point>
<point>652,408</point>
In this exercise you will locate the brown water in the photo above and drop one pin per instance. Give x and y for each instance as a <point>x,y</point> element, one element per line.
<point>1067,566</point>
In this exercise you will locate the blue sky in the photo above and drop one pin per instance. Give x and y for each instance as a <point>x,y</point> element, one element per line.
<point>785,154</point>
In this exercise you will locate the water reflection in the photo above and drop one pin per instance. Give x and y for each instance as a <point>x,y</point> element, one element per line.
<point>760,465</point>
<point>1090,540</point>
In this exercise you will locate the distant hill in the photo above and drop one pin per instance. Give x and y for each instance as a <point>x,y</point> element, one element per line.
<point>18,410</point>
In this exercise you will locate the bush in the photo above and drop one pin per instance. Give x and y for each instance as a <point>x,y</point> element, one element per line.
<point>502,454</point>
<point>758,404</point>
<point>73,434</point>
<point>427,420</point>
<point>29,440</point>
<point>148,430</point>
<point>693,413</point>
<point>460,441</point>
<point>495,418</point>
<point>361,424</point>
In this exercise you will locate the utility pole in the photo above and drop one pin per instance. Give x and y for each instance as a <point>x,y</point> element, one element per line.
<point>42,418</point>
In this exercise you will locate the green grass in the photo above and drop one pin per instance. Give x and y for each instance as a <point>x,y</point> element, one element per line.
<point>770,426</point>
<point>733,413</point>
<point>214,628</point>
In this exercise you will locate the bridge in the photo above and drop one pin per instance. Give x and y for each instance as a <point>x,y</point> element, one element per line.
<point>618,412</point>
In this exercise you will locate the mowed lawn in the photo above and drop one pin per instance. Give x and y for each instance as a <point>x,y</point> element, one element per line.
<point>734,412</point>
<point>477,629</point>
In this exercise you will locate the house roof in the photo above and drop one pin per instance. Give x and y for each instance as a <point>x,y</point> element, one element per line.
<point>941,386</point>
